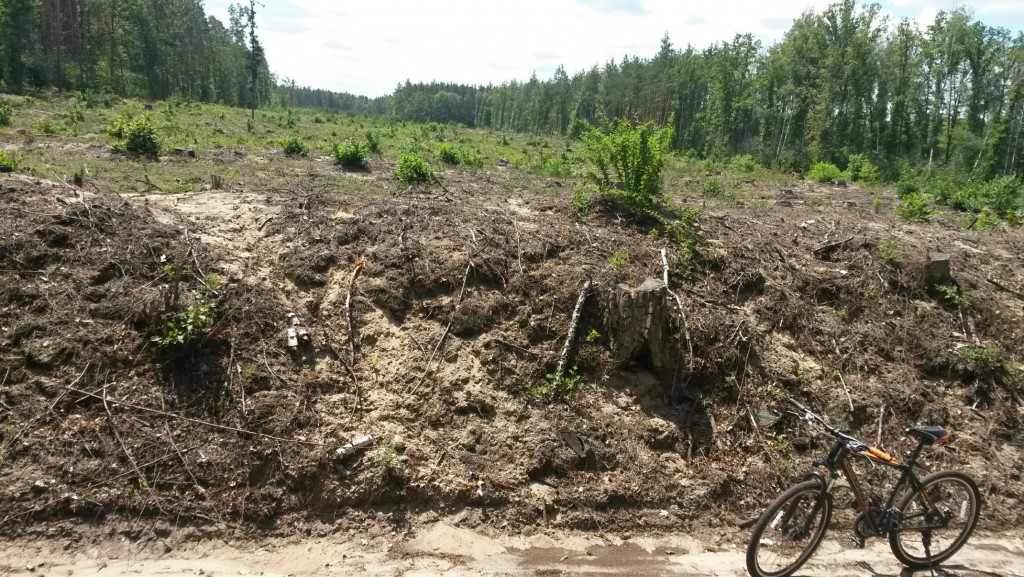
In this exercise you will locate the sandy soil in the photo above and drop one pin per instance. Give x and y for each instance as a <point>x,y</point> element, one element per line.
<point>443,549</point>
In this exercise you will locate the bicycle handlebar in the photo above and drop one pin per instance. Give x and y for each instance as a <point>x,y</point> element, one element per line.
<point>851,442</point>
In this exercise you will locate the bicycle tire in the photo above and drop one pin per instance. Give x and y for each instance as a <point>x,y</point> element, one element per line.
<point>919,509</point>
<point>781,510</point>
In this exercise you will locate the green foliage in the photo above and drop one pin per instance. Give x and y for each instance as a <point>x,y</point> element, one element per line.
<point>876,204</point>
<point>985,220</point>
<point>627,163</point>
<point>1015,218</point>
<point>372,142</point>
<point>909,183</point>
<point>890,251</point>
<point>743,163</point>
<point>915,207</point>
<point>684,234</point>
<point>579,202</point>
<point>981,358</point>
<point>1001,196</point>
<point>136,136</point>
<point>295,147</point>
<point>413,169</point>
<point>860,169</point>
<point>592,336</point>
<point>620,258</point>
<point>6,115</point>
<point>350,154</point>
<point>388,458</point>
<point>713,186</point>
<point>46,126</point>
<point>824,172</point>
<point>7,161</point>
<point>188,327</point>
<point>953,296</point>
<point>556,387</point>
<point>449,154</point>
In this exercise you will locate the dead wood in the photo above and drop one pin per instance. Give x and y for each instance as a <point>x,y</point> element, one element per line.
<point>572,331</point>
<point>433,353</point>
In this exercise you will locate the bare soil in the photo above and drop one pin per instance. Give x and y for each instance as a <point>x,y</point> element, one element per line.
<point>460,309</point>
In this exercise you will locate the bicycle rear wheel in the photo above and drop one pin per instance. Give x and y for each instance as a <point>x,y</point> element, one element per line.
<point>942,512</point>
<point>789,531</point>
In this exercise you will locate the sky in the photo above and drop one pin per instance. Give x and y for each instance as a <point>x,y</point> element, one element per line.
<point>368,47</point>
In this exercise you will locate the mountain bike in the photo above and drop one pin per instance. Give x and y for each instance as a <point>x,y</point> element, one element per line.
<point>927,520</point>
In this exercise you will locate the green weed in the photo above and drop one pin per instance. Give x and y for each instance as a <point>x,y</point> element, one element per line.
<point>824,172</point>
<point>413,169</point>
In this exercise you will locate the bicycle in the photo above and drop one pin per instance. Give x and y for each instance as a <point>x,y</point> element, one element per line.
<point>926,524</point>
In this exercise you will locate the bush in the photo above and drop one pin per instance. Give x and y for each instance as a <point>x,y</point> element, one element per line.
<point>350,154</point>
<point>824,172</point>
<point>7,164</point>
<point>6,115</point>
<point>136,137</point>
<point>189,326</point>
<point>908,184</point>
<point>295,147</point>
<point>449,154</point>
<point>628,162</point>
<point>713,187</point>
<point>413,169</point>
<point>861,169</point>
<point>743,163</point>
<point>579,203</point>
<point>372,142</point>
<point>915,207</point>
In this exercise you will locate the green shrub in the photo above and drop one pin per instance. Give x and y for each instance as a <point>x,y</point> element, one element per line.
<point>628,160</point>
<point>1015,218</point>
<point>743,163</point>
<point>413,169</point>
<point>7,164</point>
<point>908,184</point>
<point>915,207</point>
<point>372,142</point>
<point>449,154</point>
<point>350,154</point>
<point>579,203</point>
<point>6,115</point>
<point>985,220</point>
<point>1002,195</point>
<point>136,136</point>
<point>713,186</point>
<point>861,169</point>
<point>295,147</point>
<point>890,251</point>
<point>824,172</point>
<point>189,326</point>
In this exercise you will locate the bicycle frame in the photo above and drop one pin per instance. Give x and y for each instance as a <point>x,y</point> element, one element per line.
<point>838,461</point>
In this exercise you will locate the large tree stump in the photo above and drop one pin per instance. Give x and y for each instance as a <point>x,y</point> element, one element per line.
<point>938,272</point>
<point>636,323</point>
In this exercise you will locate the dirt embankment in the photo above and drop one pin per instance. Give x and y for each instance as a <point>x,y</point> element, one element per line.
<point>457,316</point>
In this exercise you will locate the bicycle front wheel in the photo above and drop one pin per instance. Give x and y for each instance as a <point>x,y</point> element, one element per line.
<point>941,514</point>
<point>789,531</point>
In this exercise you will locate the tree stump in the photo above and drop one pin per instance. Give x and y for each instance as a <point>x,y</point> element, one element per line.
<point>637,324</point>
<point>938,272</point>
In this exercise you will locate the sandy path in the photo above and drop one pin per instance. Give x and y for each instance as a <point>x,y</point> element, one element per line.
<point>446,550</point>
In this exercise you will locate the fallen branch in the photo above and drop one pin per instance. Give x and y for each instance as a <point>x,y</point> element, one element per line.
<point>264,223</point>
<point>572,331</point>
<point>1005,288</point>
<point>458,303</point>
<point>120,441</point>
<point>348,309</point>
<point>682,312</point>
<point>198,422</point>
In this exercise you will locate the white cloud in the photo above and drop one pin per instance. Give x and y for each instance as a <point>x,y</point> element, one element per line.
<point>481,41</point>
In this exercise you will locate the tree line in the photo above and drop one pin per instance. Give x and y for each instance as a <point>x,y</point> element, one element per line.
<point>844,81</point>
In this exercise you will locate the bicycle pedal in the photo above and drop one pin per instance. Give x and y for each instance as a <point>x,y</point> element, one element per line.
<point>858,542</point>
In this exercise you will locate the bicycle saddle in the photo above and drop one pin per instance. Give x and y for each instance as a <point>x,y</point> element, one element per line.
<point>929,435</point>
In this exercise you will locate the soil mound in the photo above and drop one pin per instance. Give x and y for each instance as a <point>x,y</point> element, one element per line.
<point>432,322</point>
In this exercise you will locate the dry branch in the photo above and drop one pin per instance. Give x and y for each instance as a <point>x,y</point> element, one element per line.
<point>360,264</point>
<point>120,441</point>
<point>437,347</point>
<point>572,331</point>
<point>198,422</point>
<point>679,303</point>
